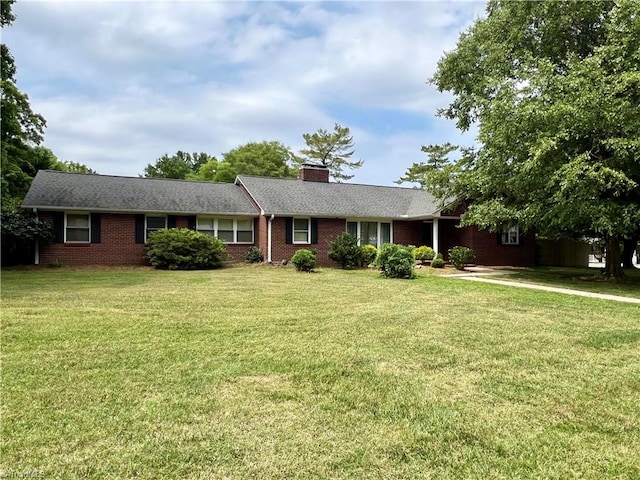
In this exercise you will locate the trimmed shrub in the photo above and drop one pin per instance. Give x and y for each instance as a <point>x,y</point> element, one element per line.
<point>368,253</point>
<point>254,255</point>
<point>185,249</point>
<point>395,261</point>
<point>344,250</point>
<point>437,263</point>
<point>459,256</point>
<point>304,260</point>
<point>424,253</point>
<point>439,255</point>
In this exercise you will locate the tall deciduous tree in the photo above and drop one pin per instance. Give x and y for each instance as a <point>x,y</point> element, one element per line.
<point>331,149</point>
<point>20,128</point>
<point>179,166</point>
<point>268,159</point>
<point>554,89</point>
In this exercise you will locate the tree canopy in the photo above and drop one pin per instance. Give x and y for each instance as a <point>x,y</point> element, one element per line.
<point>267,158</point>
<point>554,89</point>
<point>20,128</point>
<point>331,149</point>
<point>21,132</point>
<point>179,166</point>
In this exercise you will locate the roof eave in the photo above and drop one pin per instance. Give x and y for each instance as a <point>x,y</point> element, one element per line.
<point>50,208</point>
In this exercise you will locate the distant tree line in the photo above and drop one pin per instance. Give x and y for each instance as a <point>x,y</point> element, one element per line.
<point>267,158</point>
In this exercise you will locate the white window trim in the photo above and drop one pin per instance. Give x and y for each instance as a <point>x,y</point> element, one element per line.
<point>146,227</point>
<point>235,230</point>
<point>506,236</point>
<point>215,230</point>
<point>88,228</point>
<point>293,231</point>
<point>379,221</point>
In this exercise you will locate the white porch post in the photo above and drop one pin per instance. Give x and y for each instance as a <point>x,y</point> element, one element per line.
<point>436,240</point>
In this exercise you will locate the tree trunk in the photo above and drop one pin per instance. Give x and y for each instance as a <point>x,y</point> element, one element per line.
<point>613,262</point>
<point>629,246</point>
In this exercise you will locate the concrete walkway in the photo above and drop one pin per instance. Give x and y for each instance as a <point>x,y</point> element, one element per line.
<point>475,273</point>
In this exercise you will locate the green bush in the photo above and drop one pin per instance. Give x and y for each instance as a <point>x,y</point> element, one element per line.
<point>368,254</point>
<point>437,263</point>
<point>424,253</point>
<point>185,249</point>
<point>304,260</point>
<point>459,256</point>
<point>254,255</point>
<point>344,250</point>
<point>395,261</point>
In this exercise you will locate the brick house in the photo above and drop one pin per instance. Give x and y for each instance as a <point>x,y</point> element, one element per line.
<point>105,220</point>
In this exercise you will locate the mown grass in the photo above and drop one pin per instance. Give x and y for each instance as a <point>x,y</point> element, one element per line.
<point>262,372</point>
<point>585,279</point>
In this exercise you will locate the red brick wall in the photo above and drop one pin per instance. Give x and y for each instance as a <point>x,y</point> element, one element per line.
<point>485,245</point>
<point>449,235</point>
<point>261,237</point>
<point>489,252</point>
<point>117,244</point>
<point>328,229</point>
<point>407,233</point>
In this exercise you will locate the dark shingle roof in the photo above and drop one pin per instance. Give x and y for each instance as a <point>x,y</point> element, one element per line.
<point>296,197</point>
<point>62,190</point>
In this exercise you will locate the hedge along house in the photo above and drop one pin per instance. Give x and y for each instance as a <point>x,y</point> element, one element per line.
<point>102,219</point>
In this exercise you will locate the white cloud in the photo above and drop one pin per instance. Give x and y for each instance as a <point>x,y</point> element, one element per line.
<point>122,83</point>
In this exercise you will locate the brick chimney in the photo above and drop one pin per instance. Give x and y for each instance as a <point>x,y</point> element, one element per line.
<point>310,172</point>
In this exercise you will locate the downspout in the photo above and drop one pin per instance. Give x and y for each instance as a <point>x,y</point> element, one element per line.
<point>36,253</point>
<point>269,238</point>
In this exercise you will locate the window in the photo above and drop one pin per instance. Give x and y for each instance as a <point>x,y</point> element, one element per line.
<point>207,226</point>
<point>229,230</point>
<point>385,233</point>
<point>370,233</point>
<point>225,230</point>
<point>77,228</point>
<point>301,230</point>
<point>511,236</point>
<point>244,231</point>
<point>155,223</point>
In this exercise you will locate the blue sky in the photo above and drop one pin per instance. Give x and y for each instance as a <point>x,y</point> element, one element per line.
<point>122,83</point>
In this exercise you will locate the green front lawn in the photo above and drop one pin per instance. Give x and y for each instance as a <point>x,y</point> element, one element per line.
<point>586,279</point>
<point>262,372</point>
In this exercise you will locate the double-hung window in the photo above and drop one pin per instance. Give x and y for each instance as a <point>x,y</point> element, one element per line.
<point>511,236</point>
<point>225,230</point>
<point>244,231</point>
<point>207,226</point>
<point>154,223</point>
<point>77,228</point>
<point>229,230</point>
<point>301,230</point>
<point>370,233</point>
